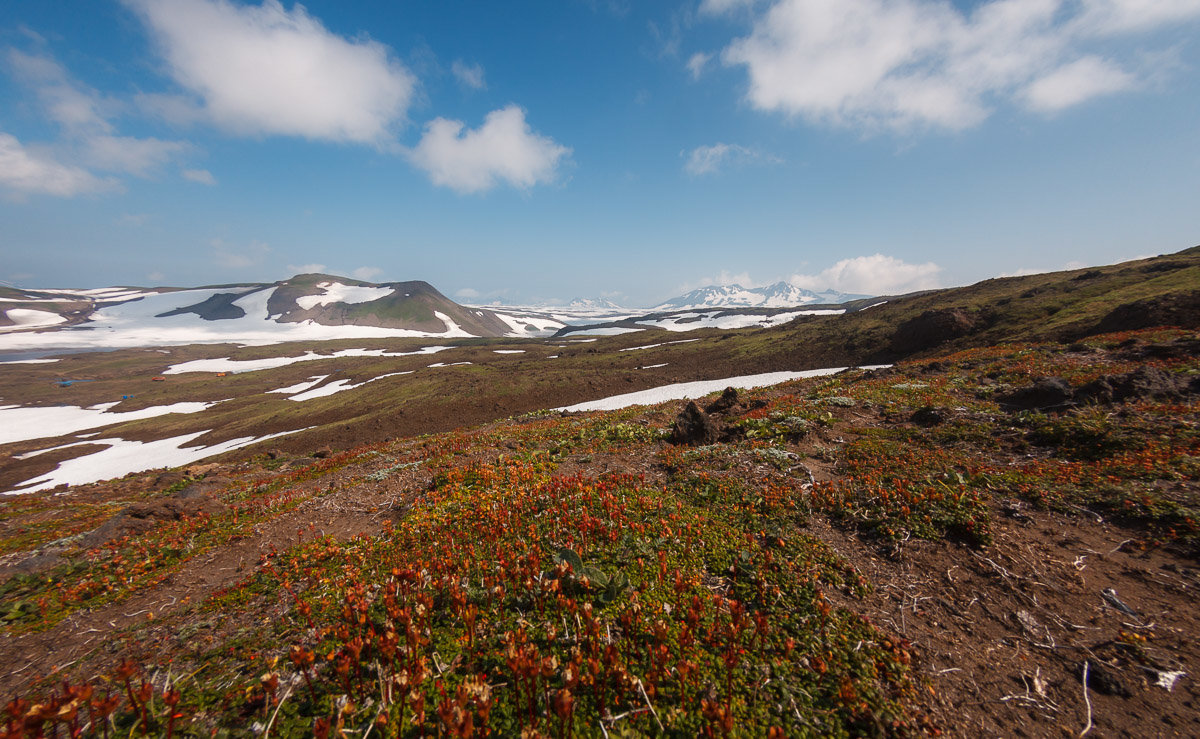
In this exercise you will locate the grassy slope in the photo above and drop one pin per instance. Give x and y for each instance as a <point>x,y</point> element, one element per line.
<point>504,581</point>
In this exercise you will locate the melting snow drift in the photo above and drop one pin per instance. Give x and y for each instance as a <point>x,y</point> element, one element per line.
<point>697,389</point>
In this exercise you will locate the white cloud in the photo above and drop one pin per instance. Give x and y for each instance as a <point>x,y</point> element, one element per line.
<point>873,275</point>
<point>141,157</point>
<point>156,277</point>
<point>741,279</point>
<point>469,75</point>
<point>304,269</point>
<point>710,159</point>
<point>696,64</point>
<point>366,274</point>
<point>23,171</point>
<point>201,176</point>
<point>467,293</point>
<point>227,255</point>
<point>267,70</point>
<point>719,7</point>
<point>906,64</point>
<point>504,148</point>
<point>1073,83</point>
<point>1124,16</point>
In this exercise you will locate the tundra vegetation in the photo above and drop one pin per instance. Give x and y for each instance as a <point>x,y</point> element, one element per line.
<point>914,550</point>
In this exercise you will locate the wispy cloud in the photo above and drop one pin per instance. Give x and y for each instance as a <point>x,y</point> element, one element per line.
<point>302,269</point>
<point>741,279</point>
<point>263,69</point>
<point>201,176</point>
<point>366,274</point>
<point>503,149</point>
<point>468,75</point>
<point>697,62</point>
<point>906,64</point>
<point>711,159</point>
<point>238,257</point>
<point>876,274</point>
<point>85,118</point>
<point>24,171</point>
<point>1076,82</point>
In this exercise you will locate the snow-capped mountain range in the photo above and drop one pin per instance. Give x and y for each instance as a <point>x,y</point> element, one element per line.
<point>779,295</point>
<point>319,306</point>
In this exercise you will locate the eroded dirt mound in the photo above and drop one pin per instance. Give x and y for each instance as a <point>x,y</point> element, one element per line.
<point>136,519</point>
<point>932,328</point>
<point>694,426</point>
<point>1179,309</point>
<point>1143,383</point>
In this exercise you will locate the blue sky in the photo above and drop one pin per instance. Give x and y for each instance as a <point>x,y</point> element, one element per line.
<point>550,150</point>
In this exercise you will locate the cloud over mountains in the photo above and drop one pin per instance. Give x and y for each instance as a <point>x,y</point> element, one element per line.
<point>903,64</point>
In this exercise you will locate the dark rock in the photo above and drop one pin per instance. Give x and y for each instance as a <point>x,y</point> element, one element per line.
<point>323,453</point>
<point>927,416</point>
<point>1096,392</point>
<point>728,399</point>
<point>1103,681</point>
<point>694,426</point>
<point>216,308</point>
<point>1048,393</point>
<point>932,328</point>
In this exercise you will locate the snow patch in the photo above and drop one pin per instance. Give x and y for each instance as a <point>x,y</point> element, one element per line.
<point>336,292</point>
<point>338,386</point>
<point>31,361</point>
<point>655,346</point>
<point>24,423</point>
<point>301,386</point>
<point>235,366</point>
<point>30,318</point>
<point>714,319</point>
<point>605,331</point>
<point>508,351</point>
<point>681,390</point>
<point>529,325</point>
<point>123,457</point>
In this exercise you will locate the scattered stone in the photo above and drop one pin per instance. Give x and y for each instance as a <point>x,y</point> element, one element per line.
<point>694,426</point>
<point>200,470</point>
